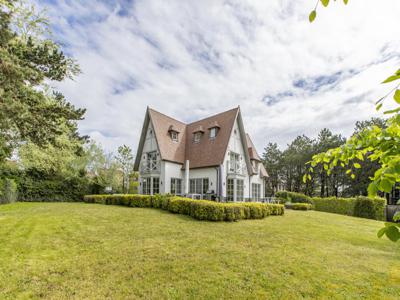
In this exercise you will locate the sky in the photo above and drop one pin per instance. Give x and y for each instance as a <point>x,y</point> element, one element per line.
<point>192,59</point>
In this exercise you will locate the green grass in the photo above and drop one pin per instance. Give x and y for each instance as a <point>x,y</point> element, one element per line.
<point>86,251</point>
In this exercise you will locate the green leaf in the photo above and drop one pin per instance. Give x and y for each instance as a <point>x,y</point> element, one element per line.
<point>381,232</point>
<point>385,185</point>
<point>392,111</point>
<point>348,171</point>
<point>325,2</point>
<point>312,16</point>
<point>305,178</point>
<point>309,177</point>
<point>346,1</point>
<point>372,189</point>
<point>393,233</point>
<point>353,176</point>
<point>391,78</point>
<point>396,96</point>
<point>357,165</point>
<point>378,107</point>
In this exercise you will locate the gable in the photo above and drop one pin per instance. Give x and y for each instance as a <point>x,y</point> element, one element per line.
<point>169,150</point>
<point>210,152</point>
<point>207,152</point>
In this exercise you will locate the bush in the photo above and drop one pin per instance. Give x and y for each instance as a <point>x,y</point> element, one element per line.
<point>197,209</point>
<point>370,208</point>
<point>363,207</point>
<point>299,206</point>
<point>293,197</point>
<point>8,191</point>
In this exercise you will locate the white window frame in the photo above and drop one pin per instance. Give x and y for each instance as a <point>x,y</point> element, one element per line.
<point>197,137</point>
<point>213,132</point>
<point>174,136</point>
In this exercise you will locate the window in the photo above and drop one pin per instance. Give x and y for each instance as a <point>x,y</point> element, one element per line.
<point>234,163</point>
<point>151,160</point>
<point>213,132</point>
<point>176,186</point>
<point>239,189</point>
<point>174,136</point>
<point>255,191</point>
<point>205,185</point>
<point>156,185</point>
<point>146,186</point>
<point>229,189</point>
<point>196,137</point>
<point>198,186</point>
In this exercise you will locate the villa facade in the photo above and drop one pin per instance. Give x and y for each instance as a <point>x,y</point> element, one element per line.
<point>212,158</point>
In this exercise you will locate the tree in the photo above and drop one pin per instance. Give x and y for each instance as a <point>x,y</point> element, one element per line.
<point>272,159</point>
<point>30,111</point>
<point>373,143</point>
<point>125,159</point>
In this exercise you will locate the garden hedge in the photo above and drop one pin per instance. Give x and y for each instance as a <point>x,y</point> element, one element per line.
<point>299,206</point>
<point>293,197</point>
<point>363,207</point>
<point>197,209</point>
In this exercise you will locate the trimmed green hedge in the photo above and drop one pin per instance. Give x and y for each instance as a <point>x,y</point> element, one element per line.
<point>299,206</point>
<point>363,207</point>
<point>197,209</point>
<point>293,197</point>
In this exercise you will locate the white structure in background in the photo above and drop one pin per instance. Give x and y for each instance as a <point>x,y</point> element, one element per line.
<point>210,159</point>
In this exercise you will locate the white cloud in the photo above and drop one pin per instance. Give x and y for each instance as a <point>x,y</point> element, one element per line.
<point>190,59</point>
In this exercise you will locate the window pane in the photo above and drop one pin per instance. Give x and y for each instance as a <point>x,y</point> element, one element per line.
<point>156,185</point>
<point>173,187</point>
<point>229,190</point>
<point>178,186</point>
<point>205,185</point>
<point>239,189</point>
<point>192,186</point>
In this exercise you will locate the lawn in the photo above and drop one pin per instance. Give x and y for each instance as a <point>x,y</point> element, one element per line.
<point>81,251</point>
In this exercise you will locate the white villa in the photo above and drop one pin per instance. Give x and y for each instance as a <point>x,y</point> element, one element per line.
<point>212,158</point>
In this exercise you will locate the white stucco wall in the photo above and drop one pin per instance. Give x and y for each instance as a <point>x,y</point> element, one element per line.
<point>236,145</point>
<point>171,170</point>
<point>150,144</point>
<point>210,173</point>
<point>259,180</point>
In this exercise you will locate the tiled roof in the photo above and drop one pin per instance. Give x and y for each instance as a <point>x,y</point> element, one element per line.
<point>210,152</point>
<point>252,149</point>
<point>207,152</point>
<point>169,150</point>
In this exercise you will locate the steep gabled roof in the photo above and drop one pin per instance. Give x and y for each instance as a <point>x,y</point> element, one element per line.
<point>169,150</point>
<point>207,152</point>
<point>254,156</point>
<point>210,152</point>
<point>252,149</point>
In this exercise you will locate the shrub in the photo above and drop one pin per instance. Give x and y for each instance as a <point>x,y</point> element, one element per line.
<point>8,191</point>
<point>293,197</point>
<point>364,207</point>
<point>197,209</point>
<point>370,208</point>
<point>299,206</point>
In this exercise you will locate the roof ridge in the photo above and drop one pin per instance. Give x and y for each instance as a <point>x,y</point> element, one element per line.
<point>213,116</point>
<point>167,116</point>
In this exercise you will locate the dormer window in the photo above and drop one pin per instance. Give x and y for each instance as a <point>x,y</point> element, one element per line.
<point>213,132</point>
<point>174,136</point>
<point>213,129</point>
<point>197,137</point>
<point>174,133</point>
<point>197,133</point>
